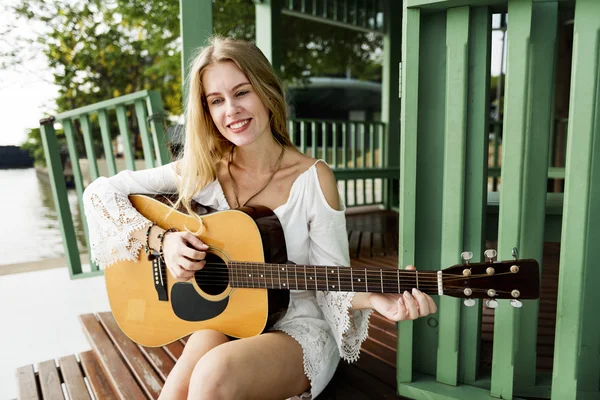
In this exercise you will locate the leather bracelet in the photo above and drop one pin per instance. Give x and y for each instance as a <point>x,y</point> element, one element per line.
<point>147,248</point>
<point>161,237</point>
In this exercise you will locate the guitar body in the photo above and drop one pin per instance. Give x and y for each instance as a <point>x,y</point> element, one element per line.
<point>250,235</point>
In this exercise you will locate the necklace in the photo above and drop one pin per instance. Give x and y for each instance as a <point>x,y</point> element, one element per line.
<point>262,188</point>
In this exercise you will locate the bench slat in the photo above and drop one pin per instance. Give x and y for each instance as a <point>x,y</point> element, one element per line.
<point>50,381</point>
<point>73,378</point>
<point>98,382</point>
<point>141,368</point>
<point>159,359</point>
<point>123,383</point>
<point>174,350</point>
<point>26,383</point>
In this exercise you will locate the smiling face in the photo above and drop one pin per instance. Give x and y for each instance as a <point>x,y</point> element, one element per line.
<point>235,107</point>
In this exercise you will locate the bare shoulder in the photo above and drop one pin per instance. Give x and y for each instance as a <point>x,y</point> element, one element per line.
<point>326,178</point>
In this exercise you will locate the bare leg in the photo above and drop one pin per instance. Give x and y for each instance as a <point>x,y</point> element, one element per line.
<point>199,343</point>
<point>268,366</point>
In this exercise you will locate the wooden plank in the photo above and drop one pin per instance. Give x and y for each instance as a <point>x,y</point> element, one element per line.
<point>159,359</point>
<point>354,242</point>
<point>49,380</point>
<point>27,388</point>
<point>174,350</point>
<point>73,378</point>
<point>123,383</point>
<point>93,371</point>
<point>377,247</point>
<point>147,378</point>
<point>366,382</point>
<point>365,245</point>
<point>390,244</point>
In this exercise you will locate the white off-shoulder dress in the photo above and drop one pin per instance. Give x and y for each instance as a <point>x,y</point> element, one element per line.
<point>315,234</point>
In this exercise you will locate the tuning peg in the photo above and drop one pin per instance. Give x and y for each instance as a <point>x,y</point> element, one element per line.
<point>516,303</point>
<point>466,256</point>
<point>491,303</point>
<point>469,302</point>
<point>515,253</point>
<point>490,254</point>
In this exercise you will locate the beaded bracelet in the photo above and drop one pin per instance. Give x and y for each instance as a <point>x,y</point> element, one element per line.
<point>148,238</point>
<point>161,237</point>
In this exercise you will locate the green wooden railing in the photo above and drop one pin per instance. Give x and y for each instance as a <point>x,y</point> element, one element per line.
<point>147,113</point>
<point>356,152</point>
<point>444,178</point>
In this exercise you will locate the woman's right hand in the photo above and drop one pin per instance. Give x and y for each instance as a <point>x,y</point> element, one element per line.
<point>184,254</point>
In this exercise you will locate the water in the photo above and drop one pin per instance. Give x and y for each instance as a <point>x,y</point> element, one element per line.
<point>30,228</point>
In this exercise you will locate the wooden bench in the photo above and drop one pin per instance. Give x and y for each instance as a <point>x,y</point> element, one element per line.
<point>117,368</point>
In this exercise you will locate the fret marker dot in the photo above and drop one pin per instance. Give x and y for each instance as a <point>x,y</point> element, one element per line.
<point>249,275</point>
<point>261,275</point>
<point>333,286</point>
<point>283,269</point>
<point>284,284</point>
<point>332,271</point>
<point>311,278</point>
<point>359,279</point>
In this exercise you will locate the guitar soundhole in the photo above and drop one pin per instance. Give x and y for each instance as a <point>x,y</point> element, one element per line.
<point>214,277</point>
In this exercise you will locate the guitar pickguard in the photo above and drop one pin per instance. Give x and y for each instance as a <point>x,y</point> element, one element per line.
<point>190,306</point>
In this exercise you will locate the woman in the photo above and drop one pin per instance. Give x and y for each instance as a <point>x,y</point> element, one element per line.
<point>237,151</point>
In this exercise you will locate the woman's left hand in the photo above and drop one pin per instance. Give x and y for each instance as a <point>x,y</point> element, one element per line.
<point>399,307</point>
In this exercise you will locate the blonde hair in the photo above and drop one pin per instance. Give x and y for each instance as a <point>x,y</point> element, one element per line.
<point>204,145</point>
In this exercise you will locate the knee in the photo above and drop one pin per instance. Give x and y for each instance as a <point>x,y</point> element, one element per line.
<point>206,338</point>
<point>214,377</point>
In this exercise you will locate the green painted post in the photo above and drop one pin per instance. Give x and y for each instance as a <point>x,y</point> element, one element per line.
<point>126,138</point>
<point>90,153</point>
<point>411,21</point>
<point>268,30</point>
<point>475,179</point>
<point>141,114</point>
<point>313,130</point>
<point>390,98</point>
<point>106,142</point>
<point>511,218</point>
<point>157,125</point>
<point>576,354</point>
<point>59,193</point>
<point>537,143</point>
<point>457,45</point>
<point>79,186</point>
<point>344,145</point>
<point>303,137</point>
<point>196,26</point>
<point>324,140</point>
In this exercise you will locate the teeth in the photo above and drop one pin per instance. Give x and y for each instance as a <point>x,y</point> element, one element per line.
<point>239,124</point>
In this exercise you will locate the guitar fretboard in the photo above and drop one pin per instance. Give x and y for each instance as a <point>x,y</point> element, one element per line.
<point>323,278</point>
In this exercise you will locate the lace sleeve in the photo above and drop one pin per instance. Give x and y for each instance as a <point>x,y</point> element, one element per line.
<point>329,246</point>
<point>110,216</point>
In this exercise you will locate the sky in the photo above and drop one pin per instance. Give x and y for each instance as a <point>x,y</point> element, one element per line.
<point>27,92</point>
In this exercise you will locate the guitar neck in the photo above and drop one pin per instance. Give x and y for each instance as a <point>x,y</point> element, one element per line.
<point>323,278</point>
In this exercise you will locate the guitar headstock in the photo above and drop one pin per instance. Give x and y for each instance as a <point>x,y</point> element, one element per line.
<point>515,279</point>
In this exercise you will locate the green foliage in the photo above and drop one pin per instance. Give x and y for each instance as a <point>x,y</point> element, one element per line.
<point>33,145</point>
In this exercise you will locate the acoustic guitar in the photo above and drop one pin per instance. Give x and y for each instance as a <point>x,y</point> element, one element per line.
<point>244,287</point>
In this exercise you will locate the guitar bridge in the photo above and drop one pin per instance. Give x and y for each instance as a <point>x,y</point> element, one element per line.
<point>158,276</point>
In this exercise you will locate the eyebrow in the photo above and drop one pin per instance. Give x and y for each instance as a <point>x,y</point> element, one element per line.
<point>233,89</point>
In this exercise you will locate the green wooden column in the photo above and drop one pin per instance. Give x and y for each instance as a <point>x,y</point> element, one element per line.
<point>268,30</point>
<point>537,142</point>
<point>516,159</point>
<point>411,22</point>
<point>576,354</point>
<point>457,47</point>
<point>390,96</point>
<point>196,27</point>
<point>476,161</point>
